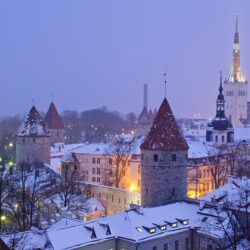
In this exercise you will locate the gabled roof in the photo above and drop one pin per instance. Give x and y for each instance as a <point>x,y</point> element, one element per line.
<point>165,134</point>
<point>53,119</point>
<point>33,125</point>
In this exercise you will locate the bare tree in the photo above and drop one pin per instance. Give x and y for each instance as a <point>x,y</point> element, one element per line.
<point>233,217</point>
<point>25,196</point>
<point>120,149</point>
<point>4,189</point>
<point>68,189</point>
<point>218,166</point>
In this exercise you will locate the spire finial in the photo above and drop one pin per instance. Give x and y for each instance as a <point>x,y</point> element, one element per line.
<point>165,82</point>
<point>236,26</point>
<point>220,88</point>
<point>52,97</point>
<point>33,101</point>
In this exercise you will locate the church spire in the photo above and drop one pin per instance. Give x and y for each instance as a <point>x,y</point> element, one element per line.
<point>220,102</point>
<point>236,74</point>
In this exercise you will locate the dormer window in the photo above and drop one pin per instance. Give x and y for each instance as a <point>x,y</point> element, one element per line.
<point>183,221</point>
<point>139,229</point>
<point>172,224</point>
<point>108,230</point>
<point>151,230</point>
<point>155,157</point>
<point>162,227</point>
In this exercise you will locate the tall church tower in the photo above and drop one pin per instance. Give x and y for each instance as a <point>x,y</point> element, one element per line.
<point>236,87</point>
<point>163,160</point>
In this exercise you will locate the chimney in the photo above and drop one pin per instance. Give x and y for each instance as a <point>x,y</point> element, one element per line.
<point>145,96</point>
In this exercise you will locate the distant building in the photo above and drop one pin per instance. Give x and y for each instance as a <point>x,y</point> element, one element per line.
<point>54,124</point>
<point>236,87</point>
<point>220,130</point>
<point>146,117</point>
<point>163,160</point>
<point>33,139</point>
<point>144,122</point>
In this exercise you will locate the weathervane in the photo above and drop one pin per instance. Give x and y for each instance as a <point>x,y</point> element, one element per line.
<point>165,82</point>
<point>33,101</point>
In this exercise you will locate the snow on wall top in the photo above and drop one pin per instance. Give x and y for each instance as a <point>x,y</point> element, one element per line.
<point>165,134</point>
<point>33,125</point>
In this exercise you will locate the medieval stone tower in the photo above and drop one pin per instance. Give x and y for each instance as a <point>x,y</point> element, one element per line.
<point>33,139</point>
<point>164,160</point>
<point>236,87</point>
<point>54,124</point>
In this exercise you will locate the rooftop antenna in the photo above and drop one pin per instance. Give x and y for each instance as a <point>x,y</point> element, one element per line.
<point>165,83</point>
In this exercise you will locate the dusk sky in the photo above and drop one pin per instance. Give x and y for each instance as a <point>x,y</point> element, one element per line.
<point>91,53</point>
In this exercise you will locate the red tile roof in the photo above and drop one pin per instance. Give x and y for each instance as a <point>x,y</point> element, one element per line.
<point>165,134</point>
<point>53,119</point>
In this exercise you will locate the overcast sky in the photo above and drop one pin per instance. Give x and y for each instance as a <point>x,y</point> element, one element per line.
<point>91,53</point>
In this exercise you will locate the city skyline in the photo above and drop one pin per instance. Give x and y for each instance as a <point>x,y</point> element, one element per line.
<point>94,54</point>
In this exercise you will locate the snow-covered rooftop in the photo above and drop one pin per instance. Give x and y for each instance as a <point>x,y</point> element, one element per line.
<point>136,224</point>
<point>33,125</point>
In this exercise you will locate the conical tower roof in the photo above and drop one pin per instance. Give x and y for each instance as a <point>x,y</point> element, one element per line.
<point>33,125</point>
<point>53,119</point>
<point>144,117</point>
<point>165,134</point>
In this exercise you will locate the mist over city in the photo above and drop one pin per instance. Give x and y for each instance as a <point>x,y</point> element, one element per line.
<point>124,125</point>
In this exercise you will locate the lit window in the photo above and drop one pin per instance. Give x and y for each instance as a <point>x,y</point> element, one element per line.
<point>152,230</point>
<point>163,228</point>
<point>139,229</point>
<point>174,225</point>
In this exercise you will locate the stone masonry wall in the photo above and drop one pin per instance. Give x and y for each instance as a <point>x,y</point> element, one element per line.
<point>56,135</point>
<point>32,149</point>
<point>165,179</point>
<point>113,199</point>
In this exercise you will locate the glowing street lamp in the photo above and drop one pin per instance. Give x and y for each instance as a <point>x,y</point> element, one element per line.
<point>3,218</point>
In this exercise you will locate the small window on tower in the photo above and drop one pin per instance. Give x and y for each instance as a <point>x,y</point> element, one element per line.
<point>223,138</point>
<point>155,157</point>
<point>173,157</point>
